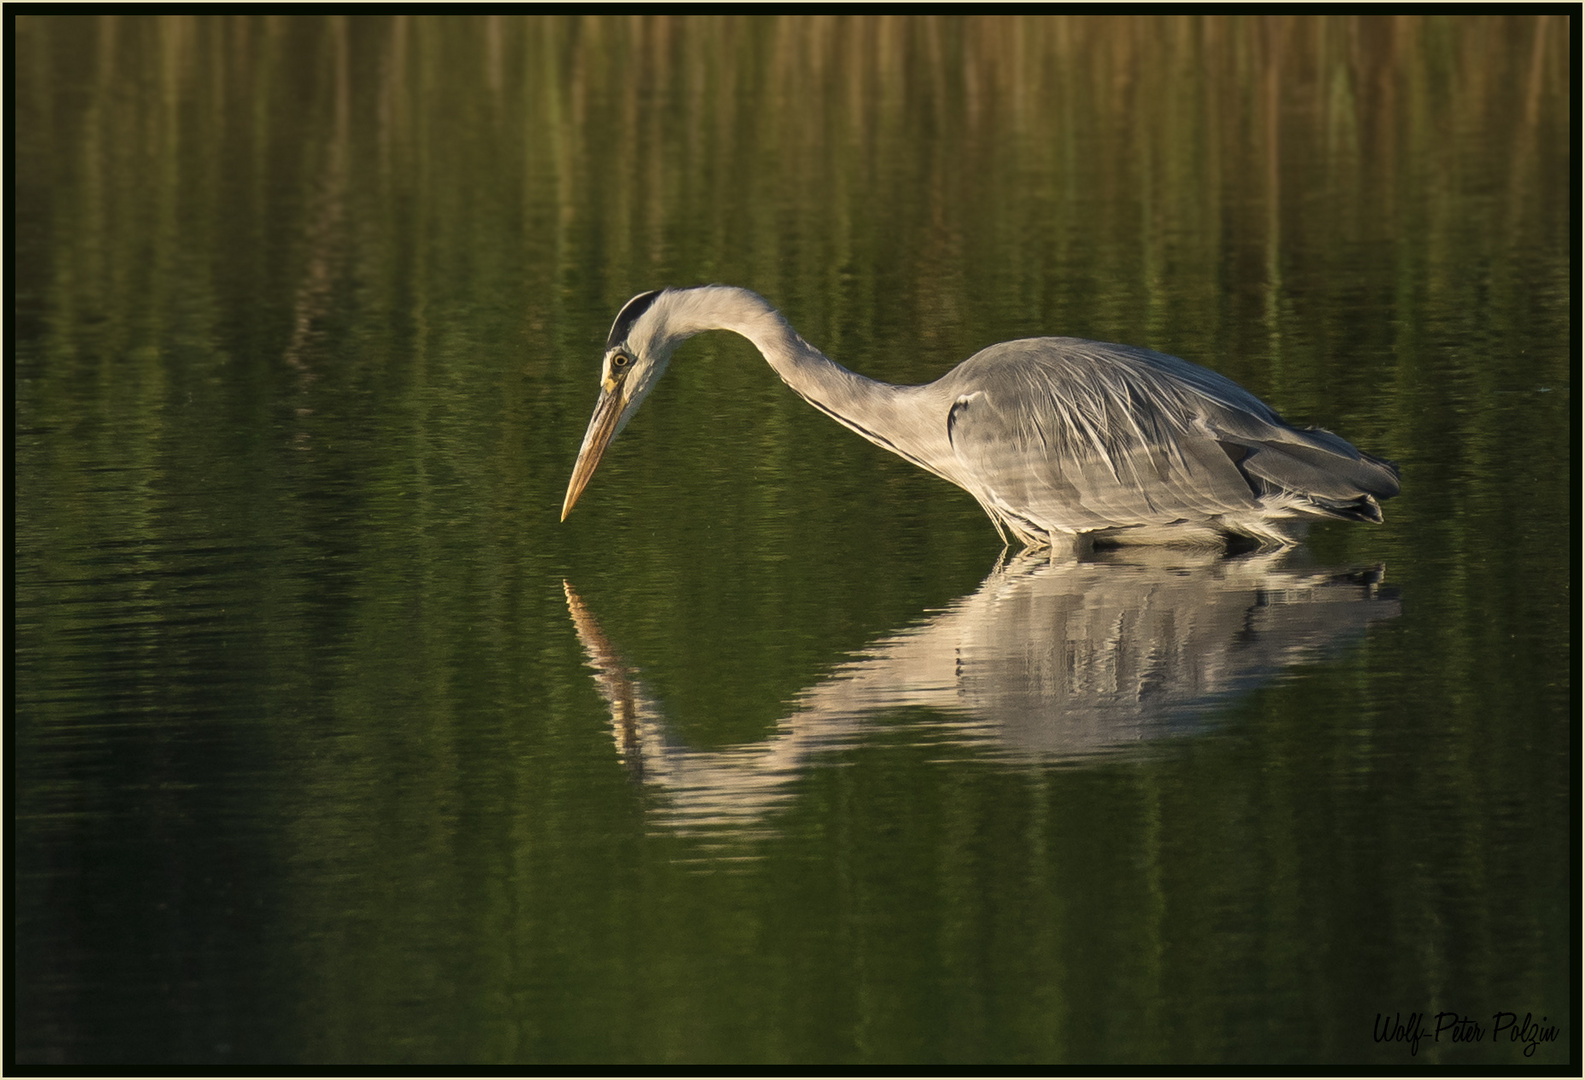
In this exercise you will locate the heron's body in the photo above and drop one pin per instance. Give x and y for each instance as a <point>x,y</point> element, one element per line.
<point>1062,441</point>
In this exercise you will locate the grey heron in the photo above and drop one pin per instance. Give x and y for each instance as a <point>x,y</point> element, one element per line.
<point>1064,442</point>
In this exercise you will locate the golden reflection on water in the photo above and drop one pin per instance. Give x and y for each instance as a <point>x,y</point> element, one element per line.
<point>675,135</point>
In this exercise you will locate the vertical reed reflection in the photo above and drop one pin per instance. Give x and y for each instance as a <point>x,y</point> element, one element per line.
<point>694,141</point>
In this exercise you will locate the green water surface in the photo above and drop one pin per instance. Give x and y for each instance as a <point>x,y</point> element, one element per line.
<point>315,761</point>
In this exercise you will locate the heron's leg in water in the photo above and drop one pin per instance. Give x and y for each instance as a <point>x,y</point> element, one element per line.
<point>997,522</point>
<point>1064,546</point>
<point>1001,559</point>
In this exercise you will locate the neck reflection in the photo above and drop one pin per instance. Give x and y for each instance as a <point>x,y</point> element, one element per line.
<point>1048,661</point>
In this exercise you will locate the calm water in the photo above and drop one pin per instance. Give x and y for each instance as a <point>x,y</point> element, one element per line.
<point>332,744</point>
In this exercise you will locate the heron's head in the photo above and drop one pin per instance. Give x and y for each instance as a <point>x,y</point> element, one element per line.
<point>636,354</point>
<point>647,331</point>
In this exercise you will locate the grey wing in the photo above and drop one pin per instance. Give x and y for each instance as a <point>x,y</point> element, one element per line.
<point>1082,435</point>
<point>1056,440</point>
<point>1321,472</point>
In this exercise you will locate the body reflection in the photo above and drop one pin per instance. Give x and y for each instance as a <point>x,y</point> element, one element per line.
<point>1046,661</point>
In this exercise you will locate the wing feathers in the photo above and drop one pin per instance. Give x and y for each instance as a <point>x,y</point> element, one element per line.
<point>1080,435</point>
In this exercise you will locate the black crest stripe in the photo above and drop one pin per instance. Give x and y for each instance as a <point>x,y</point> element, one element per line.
<point>628,316</point>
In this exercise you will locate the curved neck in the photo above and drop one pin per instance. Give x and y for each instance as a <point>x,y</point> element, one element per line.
<point>680,314</point>
<point>874,409</point>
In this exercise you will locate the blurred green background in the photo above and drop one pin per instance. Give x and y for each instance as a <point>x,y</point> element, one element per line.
<point>308,315</point>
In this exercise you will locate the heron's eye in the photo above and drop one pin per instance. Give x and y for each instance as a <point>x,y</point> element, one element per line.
<point>621,360</point>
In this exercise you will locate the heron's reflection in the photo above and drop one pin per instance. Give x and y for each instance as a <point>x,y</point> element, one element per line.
<point>1046,661</point>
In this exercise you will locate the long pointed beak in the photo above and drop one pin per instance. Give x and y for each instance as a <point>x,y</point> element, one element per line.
<point>602,429</point>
